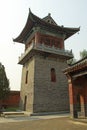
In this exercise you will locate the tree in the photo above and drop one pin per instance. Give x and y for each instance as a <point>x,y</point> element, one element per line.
<point>4,83</point>
<point>83,54</point>
<point>71,61</point>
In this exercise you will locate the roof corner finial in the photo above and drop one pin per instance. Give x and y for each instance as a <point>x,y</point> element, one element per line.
<point>29,10</point>
<point>79,27</point>
<point>49,14</point>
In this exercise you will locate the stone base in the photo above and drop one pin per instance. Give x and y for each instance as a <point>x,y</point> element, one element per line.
<point>81,114</point>
<point>50,113</point>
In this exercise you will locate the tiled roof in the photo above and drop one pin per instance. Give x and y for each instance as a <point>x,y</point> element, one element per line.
<point>33,21</point>
<point>77,66</point>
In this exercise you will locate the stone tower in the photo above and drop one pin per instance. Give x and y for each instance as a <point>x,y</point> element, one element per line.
<point>44,87</point>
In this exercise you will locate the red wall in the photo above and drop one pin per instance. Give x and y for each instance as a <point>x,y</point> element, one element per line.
<point>79,87</point>
<point>13,99</point>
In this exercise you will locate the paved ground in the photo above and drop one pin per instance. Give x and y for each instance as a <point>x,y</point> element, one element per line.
<point>54,122</point>
<point>16,118</point>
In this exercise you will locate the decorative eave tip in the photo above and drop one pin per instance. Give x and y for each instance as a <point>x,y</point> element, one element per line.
<point>29,10</point>
<point>49,14</point>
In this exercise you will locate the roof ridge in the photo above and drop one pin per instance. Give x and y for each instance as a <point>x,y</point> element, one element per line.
<point>32,20</point>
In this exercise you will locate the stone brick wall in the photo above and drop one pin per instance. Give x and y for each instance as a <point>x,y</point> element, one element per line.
<point>27,89</point>
<point>50,96</point>
<point>42,94</point>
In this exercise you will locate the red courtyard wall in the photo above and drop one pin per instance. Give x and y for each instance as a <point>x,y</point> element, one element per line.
<point>12,101</point>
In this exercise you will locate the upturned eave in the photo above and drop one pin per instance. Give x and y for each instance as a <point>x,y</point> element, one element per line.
<point>33,20</point>
<point>80,65</point>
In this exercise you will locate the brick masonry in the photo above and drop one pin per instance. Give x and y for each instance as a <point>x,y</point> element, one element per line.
<point>42,94</point>
<point>27,89</point>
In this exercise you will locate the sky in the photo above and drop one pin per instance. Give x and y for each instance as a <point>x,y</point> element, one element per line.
<point>13,17</point>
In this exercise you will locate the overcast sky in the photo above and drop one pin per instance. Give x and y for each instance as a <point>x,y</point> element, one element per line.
<point>13,16</point>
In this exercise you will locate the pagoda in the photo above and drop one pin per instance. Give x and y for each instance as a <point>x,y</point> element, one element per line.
<point>44,87</point>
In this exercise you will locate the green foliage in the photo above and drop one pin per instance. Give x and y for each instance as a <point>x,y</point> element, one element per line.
<point>71,61</point>
<point>4,83</point>
<point>12,108</point>
<point>83,54</point>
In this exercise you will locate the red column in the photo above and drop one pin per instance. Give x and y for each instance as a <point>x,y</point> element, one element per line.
<point>72,99</point>
<point>62,44</point>
<point>37,37</point>
<point>85,92</point>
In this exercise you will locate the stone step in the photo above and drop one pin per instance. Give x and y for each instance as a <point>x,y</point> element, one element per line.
<point>12,114</point>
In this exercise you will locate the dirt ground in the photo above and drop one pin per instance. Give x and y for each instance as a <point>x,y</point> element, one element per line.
<point>45,124</point>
